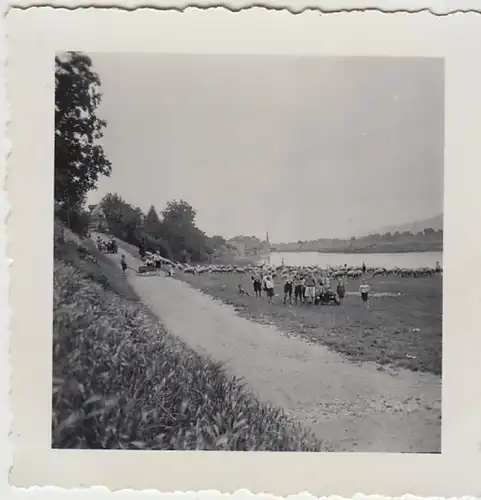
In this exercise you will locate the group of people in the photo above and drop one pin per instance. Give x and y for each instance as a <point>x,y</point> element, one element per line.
<point>306,289</point>
<point>155,260</point>
<point>107,246</point>
<point>152,261</point>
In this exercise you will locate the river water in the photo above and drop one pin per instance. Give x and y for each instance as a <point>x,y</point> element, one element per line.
<point>387,260</point>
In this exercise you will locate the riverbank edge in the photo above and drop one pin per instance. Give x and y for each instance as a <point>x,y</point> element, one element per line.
<point>362,251</point>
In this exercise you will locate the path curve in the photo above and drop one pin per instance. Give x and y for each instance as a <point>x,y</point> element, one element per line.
<point>353,407</point>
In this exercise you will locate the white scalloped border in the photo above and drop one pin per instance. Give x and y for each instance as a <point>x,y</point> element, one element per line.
<point>100,492</point>
<point>438,7</point>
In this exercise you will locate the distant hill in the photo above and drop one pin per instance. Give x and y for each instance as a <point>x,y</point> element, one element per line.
<point>420,236</point>
<point>435,223</point>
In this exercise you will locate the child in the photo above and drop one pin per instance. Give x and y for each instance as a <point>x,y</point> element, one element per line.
<point>257,283</point>
<point>298,288</point>
<point>310,290</point>
<point>341,291</point>
<point>123,263</point>
<point>158,263</point>
<point>364,289</point>
<point>288,290</point>
<point>269,286</point>
<point>326,282</point>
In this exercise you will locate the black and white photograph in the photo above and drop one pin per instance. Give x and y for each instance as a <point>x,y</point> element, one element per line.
<point>243,252</point>
<point>248,252</point>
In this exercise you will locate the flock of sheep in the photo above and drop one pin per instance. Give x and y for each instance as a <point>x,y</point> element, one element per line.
<point>339,272</point>
<point>329,272</point>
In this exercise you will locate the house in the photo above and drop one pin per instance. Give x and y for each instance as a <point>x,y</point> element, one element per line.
<point>250,246</point>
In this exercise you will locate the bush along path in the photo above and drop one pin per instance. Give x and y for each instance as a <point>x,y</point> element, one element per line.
<point>121,381</point>
<point>354,407</point>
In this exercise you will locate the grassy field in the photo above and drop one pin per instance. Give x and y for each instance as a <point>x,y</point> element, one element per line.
<point>403,331</point>
<point>121,381</point>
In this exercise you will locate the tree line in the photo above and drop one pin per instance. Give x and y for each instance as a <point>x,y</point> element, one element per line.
<point>426,240</point>
<point>80,161</point>
<point>174,233</point>
<point>395,237</point>
<point>425,234</point>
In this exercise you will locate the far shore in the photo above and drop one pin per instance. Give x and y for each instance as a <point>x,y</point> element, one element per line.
<point>360,250</point>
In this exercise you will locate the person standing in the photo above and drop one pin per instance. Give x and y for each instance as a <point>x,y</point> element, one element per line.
<point>298,291</point>
<point>310,292</point>
<point>269,287</point>
<point>364,269</point>
<point>257,284</point>
<point>365,289</point>
<point>341,291</point>
<point>288,290</point>
<point>123,263</point>
<point>265,277</point>
<point>326,282</point>
<point>158,263</point>
<point>319,291</point>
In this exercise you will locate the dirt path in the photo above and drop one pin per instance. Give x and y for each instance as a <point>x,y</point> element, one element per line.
<point>356,408</point>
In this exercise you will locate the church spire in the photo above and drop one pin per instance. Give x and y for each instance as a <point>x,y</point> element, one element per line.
<point>268,249</point>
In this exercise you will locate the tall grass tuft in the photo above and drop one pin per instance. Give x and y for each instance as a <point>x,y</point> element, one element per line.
<point>120,381</point>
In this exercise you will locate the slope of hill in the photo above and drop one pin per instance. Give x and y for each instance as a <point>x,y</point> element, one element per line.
<point>435,223</point>
<point>409,237</point>
<point>100,326</point>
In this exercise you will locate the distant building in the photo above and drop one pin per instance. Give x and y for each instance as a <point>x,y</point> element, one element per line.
<point>246,246</point>
<point>251,247</point>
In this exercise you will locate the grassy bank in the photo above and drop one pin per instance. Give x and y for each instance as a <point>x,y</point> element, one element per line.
<point>403,331</point>
<point>120,381</point>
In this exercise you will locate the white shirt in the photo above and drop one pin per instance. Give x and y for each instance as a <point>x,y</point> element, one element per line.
<point>364,288</point>
<point>269,283</point>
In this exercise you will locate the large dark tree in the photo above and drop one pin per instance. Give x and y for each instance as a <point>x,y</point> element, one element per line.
<point>79,158</point>
<point>217,241</point>
<point>186,240</point>
<point>152,222</point>
<point>153,238</point>
<point>123,219</point>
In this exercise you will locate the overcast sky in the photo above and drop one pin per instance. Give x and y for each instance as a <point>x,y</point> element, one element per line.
<point>301,147</point>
